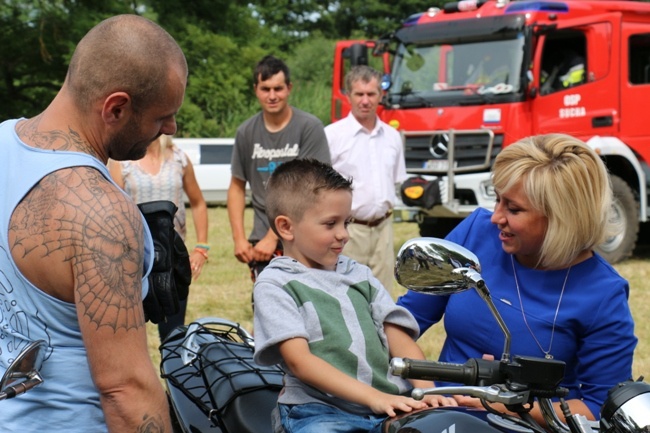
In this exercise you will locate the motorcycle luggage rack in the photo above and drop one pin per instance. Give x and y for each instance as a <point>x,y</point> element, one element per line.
<point>211,363</point>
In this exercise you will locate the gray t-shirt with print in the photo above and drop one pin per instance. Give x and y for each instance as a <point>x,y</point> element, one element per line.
<point>257,152</point>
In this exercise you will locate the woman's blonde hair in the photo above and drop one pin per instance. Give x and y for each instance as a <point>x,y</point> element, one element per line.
<point>568,183</point>
<point>166,146</point>
<point>166,141</point>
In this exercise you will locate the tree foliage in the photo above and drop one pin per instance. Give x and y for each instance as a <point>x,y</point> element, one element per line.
<point>36,43</point>
<point>338,19</point>
<point>222,40</point>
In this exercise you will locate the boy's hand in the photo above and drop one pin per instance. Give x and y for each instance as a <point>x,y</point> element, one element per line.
<point>439,400</point>
<point>389,403</point>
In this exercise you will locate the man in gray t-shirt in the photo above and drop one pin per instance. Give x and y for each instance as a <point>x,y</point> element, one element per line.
<point>277,134</point>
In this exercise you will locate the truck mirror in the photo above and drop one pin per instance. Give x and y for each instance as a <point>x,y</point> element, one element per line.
<point>532,89</point>
<point>381,46</point>
<point>358,54</point>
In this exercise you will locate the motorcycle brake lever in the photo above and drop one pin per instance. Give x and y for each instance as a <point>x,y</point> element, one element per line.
<point>493,393</point>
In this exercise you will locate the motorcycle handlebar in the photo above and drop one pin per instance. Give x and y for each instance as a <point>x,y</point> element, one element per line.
<point>22,387</point>
<point>473,372</point>
<point>539,375</point>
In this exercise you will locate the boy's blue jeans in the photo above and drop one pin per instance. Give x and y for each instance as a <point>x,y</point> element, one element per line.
<point>321,418</point>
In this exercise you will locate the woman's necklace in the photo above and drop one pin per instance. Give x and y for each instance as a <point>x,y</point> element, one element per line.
<point>547,353</point>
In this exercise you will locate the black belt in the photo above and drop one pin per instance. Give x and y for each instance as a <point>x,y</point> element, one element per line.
<point>372,223</point>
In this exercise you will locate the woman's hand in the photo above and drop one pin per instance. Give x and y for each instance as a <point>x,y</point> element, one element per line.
<point>198,258</point>
<point>466,401</point>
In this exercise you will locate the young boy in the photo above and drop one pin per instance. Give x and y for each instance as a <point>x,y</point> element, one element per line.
<point>324,317</point>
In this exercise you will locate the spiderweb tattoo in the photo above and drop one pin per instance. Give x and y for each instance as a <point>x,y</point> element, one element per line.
<point>78,213</point>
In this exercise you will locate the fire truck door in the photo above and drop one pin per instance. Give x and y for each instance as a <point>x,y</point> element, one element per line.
<point>576,76</point>
<point>635,79</point>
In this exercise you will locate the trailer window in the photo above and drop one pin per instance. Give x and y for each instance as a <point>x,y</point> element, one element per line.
<point>639,58</point>
<point>216,153</point>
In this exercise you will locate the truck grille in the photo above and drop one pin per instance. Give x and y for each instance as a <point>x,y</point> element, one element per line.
<point>428,152</point>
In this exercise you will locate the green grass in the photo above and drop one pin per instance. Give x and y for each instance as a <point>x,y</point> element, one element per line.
<point>224,288</point>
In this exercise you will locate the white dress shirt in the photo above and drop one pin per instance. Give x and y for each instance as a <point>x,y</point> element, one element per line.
<point>373,159</point>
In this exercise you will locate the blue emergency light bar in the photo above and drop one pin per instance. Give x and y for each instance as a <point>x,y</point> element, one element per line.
<point>537,6</point>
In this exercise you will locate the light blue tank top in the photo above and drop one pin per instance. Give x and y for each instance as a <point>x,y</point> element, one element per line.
<point>67,401</point>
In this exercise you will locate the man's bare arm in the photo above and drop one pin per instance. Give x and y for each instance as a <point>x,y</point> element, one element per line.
<point>84,240</point>
<point>236,206</point>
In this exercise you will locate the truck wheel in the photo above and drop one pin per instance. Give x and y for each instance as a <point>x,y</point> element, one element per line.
<point>626,210</point>
<point>437,227</point>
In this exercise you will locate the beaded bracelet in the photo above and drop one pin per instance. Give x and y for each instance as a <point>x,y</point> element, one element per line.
<point>202,252</point>
<point>203,247</point>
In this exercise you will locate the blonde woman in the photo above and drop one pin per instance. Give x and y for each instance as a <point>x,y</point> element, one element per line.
<point>165,173</point>
<point>558,297</point>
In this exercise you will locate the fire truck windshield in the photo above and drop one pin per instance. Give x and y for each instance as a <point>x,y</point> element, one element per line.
<point>457,73</point>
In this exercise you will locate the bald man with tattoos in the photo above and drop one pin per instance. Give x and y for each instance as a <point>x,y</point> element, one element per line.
<point>74,248</point>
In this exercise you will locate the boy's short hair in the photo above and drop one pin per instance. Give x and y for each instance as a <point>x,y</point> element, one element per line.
<point>268,67</point>
<point>296,184</point>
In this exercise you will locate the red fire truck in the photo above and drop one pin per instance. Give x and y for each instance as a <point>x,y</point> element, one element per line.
<point>465,81</point>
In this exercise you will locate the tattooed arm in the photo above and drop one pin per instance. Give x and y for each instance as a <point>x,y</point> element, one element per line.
<point>78,238</point>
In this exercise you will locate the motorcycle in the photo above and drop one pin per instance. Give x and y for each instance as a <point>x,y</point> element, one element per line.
<point>23,373</point>
<point>215,386</point>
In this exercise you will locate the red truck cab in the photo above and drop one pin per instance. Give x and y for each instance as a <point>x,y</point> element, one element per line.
<point>466,81</point>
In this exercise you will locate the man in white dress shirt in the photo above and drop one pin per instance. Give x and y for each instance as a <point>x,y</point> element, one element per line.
<point>370,152</point>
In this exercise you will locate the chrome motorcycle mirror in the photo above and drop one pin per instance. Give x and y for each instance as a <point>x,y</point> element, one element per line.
<point>440,267</point>
<point>435,266</point>
<point>626,408</point>
<point>23,373</point>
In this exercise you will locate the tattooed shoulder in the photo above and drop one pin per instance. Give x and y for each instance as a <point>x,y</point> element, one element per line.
<point>81,216</point>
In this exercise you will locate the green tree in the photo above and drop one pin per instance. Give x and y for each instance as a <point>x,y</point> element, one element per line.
<point>375,18</point>
<point>228,18</point>
<point>222,40</point>
<point>36,43</point>
<point>337,19</point>
<point>311,71</point>
<point>219,94</point>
